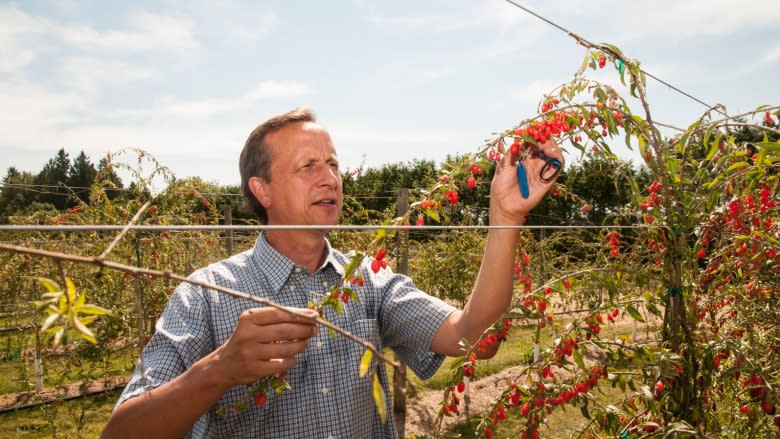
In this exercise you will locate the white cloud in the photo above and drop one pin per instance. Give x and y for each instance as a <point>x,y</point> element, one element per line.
<point>772,54</point>
<point>88,73</point>
<point>279,89</point>
<point>533,92</point>
<point>690,18</point>
<point>450,18</point>
<point>148,31</point>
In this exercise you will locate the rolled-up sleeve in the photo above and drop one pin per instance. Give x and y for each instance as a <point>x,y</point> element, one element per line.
<point>409,320</point>
<point>182,336</point>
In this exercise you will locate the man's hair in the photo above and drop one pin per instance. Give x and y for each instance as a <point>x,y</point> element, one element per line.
<point>256,156</point>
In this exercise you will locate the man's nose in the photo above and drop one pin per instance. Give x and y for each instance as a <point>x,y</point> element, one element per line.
<point>329,176</point>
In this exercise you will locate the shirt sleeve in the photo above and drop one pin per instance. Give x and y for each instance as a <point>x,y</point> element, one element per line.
<point>182,336</point>
<point>409,319</point>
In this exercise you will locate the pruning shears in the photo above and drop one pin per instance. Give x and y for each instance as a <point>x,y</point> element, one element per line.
<point>552,167</point>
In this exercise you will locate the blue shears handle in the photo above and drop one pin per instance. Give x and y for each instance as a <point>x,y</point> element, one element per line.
<point>522,180</point>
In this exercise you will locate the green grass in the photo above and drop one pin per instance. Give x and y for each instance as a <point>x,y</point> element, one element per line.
<point>79,418</point>
<point>19,375</point>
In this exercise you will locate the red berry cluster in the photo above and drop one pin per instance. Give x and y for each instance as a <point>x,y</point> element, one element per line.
<point>614,243</point>
<point>498,335</point>
<point>653,199</point>
<point>768,118</point>
<point>451,196</point>
<point>523,270</point>
<point>358,280</point>
<point>759,392</point>
<point>379,261</point>
<point>475,170</point>
<point>594,322</point>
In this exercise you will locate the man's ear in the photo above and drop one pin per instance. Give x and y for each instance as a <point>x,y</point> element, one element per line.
<point>259,189</point>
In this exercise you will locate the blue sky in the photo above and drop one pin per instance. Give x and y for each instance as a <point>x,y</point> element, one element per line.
<point>392,80</point>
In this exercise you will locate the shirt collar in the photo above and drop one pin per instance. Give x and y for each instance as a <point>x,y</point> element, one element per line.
<point>277,267</point>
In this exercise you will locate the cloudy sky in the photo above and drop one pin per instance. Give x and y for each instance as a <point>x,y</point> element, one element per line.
<point>392,80</point>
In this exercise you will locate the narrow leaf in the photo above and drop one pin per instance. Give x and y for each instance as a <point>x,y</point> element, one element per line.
<point>379,399</point>
<point>635,313</point>
<point>365,362</point>
<point>49,284</point>
<point>93,310</point>
<point>86,334</point>
<point>49,321</point>
<point>575,354</point>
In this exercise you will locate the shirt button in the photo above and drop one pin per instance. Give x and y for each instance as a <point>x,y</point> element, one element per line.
<point>319,344</point>
<point>292,287</point>
<point>325,391</point>
<point>298,269</point>
<point>330,436</point>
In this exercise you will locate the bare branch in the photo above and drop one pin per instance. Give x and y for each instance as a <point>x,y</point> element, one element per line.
<point>124,231</point>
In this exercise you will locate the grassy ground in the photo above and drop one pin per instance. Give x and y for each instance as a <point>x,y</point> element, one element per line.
<point>79,418</point>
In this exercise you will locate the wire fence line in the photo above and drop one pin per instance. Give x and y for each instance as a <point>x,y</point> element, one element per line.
<point>252,228</point>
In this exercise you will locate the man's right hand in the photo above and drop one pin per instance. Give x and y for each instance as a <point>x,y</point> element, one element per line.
<point>264,342</point>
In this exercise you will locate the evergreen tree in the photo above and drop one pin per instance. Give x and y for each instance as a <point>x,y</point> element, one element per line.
<point>81,175</point>
<point>15,194</point>
<point>54,179</point>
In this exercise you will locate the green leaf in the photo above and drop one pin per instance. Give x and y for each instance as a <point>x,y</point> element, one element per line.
<point>353,264</point>
<point>365,362</point>
<point>653,309</point>
<point>584,410</point>
<point>379,399</point>
<point>575,354</point>
<point>635,313</point>
<point>773,147</point>
<point>432,214</point>
<point>737,166</point>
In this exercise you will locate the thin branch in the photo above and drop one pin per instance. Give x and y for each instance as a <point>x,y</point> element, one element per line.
<point>136,271</point>
<point>124,231</point>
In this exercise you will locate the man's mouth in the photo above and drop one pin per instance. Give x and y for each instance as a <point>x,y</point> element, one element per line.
<point>326,202</point>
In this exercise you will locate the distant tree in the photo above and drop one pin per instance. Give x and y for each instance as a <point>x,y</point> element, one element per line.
<point>108,179</point>
<point>377,188</point>
<point>81,175</point>
<point>54,178</point>
<point>15,194</point>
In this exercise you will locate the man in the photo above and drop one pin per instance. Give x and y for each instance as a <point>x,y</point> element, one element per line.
<point>208,347</point>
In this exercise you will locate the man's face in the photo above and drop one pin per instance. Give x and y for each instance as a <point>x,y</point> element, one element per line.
<point>305,183</point>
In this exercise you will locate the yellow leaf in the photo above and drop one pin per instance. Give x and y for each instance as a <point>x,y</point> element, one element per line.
<point>379,398</point>
<point>94,310</point>
<point>49,321</point>
<point>71,289</point>
<point>86,334</point>
<point>365,362</point>
<point>49,284</point>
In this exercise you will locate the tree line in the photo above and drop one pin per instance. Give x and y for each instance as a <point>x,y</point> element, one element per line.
<point>64,183</point>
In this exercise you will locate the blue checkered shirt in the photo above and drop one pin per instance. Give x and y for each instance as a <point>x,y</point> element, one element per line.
<point>327,399</point>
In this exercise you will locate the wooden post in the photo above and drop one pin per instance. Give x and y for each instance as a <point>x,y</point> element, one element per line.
<point>38,365</point>
<point>227,211</point>
<point>399,374</point>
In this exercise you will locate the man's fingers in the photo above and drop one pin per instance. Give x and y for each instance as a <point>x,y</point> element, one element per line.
<point>286,349</point>
<point>270,315</point>
<point>281,332</point>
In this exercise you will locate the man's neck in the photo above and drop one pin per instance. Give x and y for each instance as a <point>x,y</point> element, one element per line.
<point>303,248</point>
